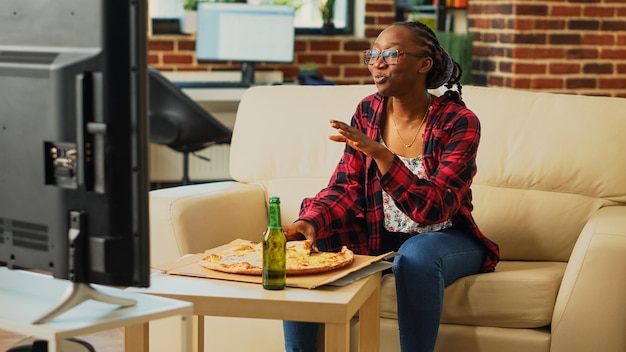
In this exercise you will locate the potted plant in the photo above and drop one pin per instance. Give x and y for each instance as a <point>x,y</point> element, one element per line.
<point>327,9</point>
<point>192,5</point>
<point>191,15</point>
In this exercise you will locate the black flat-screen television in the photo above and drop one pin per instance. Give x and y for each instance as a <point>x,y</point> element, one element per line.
<point>74,140</point>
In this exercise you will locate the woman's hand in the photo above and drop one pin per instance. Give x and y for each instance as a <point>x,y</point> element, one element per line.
<point>359,141</point>
<point>300,228</point>
<point>354,138</point>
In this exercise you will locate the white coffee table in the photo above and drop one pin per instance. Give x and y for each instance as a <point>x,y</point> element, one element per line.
<point>26,296</point>
<point>332,306</point>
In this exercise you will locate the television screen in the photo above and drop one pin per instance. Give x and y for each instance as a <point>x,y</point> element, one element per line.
<point>242,32</point>
<point>74,139</point>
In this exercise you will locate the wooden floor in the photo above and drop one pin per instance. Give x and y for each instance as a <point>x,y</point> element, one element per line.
<point>106,341</point>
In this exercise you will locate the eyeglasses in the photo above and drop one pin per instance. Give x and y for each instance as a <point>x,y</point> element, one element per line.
<point>389,56</point>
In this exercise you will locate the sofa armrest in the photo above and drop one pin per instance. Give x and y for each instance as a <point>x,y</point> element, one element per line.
<point>591,305</point>
<point>192,219</point>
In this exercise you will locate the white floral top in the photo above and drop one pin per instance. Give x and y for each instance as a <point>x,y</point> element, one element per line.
<point>395,219</point>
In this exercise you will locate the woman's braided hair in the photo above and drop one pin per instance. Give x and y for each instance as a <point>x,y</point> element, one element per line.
<point>445,71</point>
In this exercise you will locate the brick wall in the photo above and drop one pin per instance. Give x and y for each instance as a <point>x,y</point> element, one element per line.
<point>571,46</point>
<point>337,57</point>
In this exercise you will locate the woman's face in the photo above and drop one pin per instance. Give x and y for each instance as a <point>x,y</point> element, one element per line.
<point>409,72</point>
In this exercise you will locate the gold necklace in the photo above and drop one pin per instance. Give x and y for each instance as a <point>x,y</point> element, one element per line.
<point>393,119</point>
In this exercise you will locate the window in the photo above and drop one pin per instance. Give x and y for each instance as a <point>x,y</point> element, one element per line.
<point>308,18</point>
<point>349,17</point>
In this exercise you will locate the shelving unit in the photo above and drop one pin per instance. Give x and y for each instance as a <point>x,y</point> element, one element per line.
<point>449,20</point>
<point>443,15</point>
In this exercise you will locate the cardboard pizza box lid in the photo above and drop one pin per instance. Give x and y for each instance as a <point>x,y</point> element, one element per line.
<point>362,266</point>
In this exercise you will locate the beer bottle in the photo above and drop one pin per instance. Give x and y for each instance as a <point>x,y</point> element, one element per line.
<point>274,245</point>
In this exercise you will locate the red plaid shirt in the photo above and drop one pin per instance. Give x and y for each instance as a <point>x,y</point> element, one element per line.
<point>349,211</point>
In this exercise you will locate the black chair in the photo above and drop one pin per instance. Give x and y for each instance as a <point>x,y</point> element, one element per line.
<point>179,122</point>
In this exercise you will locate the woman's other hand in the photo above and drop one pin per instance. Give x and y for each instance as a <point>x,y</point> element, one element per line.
<point>299,229</point>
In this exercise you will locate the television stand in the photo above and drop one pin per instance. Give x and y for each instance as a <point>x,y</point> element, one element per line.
<point>79,289</point>
<point>77,293</point>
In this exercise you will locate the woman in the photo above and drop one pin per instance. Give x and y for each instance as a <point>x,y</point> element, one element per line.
<point>403,184</point>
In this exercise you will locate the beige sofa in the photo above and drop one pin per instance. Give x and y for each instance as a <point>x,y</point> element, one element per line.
<point>550,189</point>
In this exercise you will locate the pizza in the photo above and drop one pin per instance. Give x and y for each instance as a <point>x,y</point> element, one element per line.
<point>247,258</point>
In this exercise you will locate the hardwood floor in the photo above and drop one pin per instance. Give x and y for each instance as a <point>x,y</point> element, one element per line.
<point>105,341</point>
<point>8,339</point>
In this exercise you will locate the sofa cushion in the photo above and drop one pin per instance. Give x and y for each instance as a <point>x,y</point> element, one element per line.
<point>516,295</point>
<point>491,339</point>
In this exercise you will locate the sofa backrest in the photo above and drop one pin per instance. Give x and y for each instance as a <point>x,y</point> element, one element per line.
<point>545,163</point>
<point>280,139</point>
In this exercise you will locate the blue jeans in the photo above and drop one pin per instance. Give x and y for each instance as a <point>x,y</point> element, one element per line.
<point>427,263</point>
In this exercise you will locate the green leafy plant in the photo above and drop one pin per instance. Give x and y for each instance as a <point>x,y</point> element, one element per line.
<point>327,9</point>
<point>192,5</point>
<point>295,4</point>
<point>460,48</point>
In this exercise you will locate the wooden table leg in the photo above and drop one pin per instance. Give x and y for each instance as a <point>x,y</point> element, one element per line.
<point>198,333</point>
<point>337,337</point>
<point>369,323</point>
<point>137,338</point>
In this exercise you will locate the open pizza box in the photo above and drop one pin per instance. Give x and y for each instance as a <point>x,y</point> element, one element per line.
<point>362,266</point>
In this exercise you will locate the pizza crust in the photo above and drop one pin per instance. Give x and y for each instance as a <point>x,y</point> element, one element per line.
<point>247,258</point>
